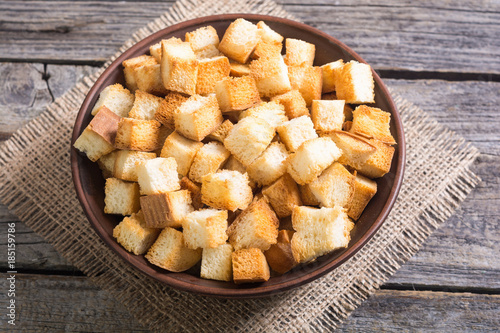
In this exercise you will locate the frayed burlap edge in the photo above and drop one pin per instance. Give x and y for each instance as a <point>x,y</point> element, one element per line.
<point>437,179</point>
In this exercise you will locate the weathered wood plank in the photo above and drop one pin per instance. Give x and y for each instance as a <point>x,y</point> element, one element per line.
<point>431,36</point>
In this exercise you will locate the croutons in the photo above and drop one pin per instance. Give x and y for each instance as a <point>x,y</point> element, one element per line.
<point>280,256</point>
<point>355,149</point>
<point>299,52</point>
<point>211,71</point>
<point>165,112</point>
<point>269,166</point>
<point>238,69</point>
<point>202,37</point>
<point>194,190</point>
<point>209,51</point>
<point>170,253</point>
<point>271,112</point>
<point>130,66</point>
<point>135,134</point>
<point>197,117</point>
<point>372,123</point>
<point>334,187</point>
<point>295,132</point>
<point>158,175</point>
<point>236,93</point>
<point>307,197</point>
<point>166,209</point>
<point>121,197</point>
<point>354,83</point>
<point>307,80</point>
<point>226,190</point>
<point>179,67</point>
<point>233,164</point>
<point>267,49</point>
<point>148,79</point>
<point>312,157</point>
<point>205,228</point>
<point>250,265</point>
<point>327,116</point>
<point>271,76</point>
<point>283,195</point>
<point>319,231</point>
<point>217,263</point>
<point>221,132</point>
<point>124,166</point>
<point>107,164</point>
<point>239,40</point>
<point>378,163</point>
<point>182,149</point>
<point>155,49</point>
<point>145,106</point>
<point>364,190</point>
<point>208,159</point>
<point>330,72</point>
<point>133,234</point>
<point>116,98</point>
<point>294,103</point>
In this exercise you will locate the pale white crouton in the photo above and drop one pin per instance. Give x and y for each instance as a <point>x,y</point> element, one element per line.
<point>294,103</point>
<point>327,116</point>
<point>116,98</point>
<point>354,83</point>
<point>250,265</point>
<point>182,149</point>
<point>269,166</point>
<point>372,123</point>
<point>330,72</point>
<point>136,134</point>
<point>299,52</point>
<point>226,189</point>
<point>208,159</point>
<point>295,132</point>
<point>202,37</point>
<point>124,167</point>
<point>209,51</point>
<point>334,187</point>
<point>236,93</point>
<point>197,117</point>
<point>155,49</point>
<point>232,163</point>
<point>166,209</point>
<point>205,228</point>
<point>271,75</point>
<point>217,263</point>
<point>267,34</point>
<point>121,197</point>
<point>130,66</point>
<point>271,112</point>
<point>283,195</point>
<point>239,40</point>
<point>157,175</point>
<point>133,234</point>
<point>145,106</point>
<point>179,67</point>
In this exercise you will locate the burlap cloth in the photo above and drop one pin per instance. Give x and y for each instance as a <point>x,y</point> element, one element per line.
<point>35,183</point>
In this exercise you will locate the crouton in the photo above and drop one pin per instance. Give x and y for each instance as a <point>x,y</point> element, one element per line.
<point>226,190</point>
<point>208,159</point>
<point>271,76</point>
<point>256,226</point>
<point>294,103</point>
<point>165,112</point>
<point>239,40</point>
<point>133,234</point>
<point>236,93</point>
<point>327,116</point>
<point>182,149</point>
<point>372,123</point>
<point>355,149</point>
<point>267,34</point>
<point>271,112</point>
<point>364,190</point>
<point>250,265</point>
<point>248,139</point>
<point>221,132</point>
<point>217,263</point>
<point>312,157</point>
<point>209,51</point>
<point>179,67</point>
<point>205,228</point>
<point>211,71</point>
<point>116,98</point>
<point>170,253</point>
<point>233,164</point>
<point>283,195</point>
<point>269,166</point>
<point>130,66</point>
<point>334,187</point>
<point>166,209</point>
<point>378,164</point>
<point>295,132</point>
<point>299,53</point>
<point>136,134</point>
<point>238,69</point>
<point>145,106</point>
<point>155,49</point>
<point>121,197</point>
<point>330,72</point>
<point>162,137</point>
<point>280,256</point>
<point>307,80</point>
<point>319,231</point>
<point>202,37</point>
<point>158,175</point>
<point>307,197</point>
<point>107,164</point>
<point>124,167</point>
<point>93,145</point>
<point>194,191</point>
<point>197,117</point>
<point>148,79</point>
<point>354,83</point>
<point>105,123</point>
<point>267,49</point>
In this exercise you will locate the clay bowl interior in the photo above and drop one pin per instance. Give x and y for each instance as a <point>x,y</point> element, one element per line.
<point>89,182</point>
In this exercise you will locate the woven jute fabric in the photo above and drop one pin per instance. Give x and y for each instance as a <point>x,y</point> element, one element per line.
<point>35,183</point>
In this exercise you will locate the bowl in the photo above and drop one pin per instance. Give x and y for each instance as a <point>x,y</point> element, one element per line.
<point>89,183</point>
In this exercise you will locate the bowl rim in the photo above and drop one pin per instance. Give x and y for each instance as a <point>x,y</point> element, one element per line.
<point>258,291</point>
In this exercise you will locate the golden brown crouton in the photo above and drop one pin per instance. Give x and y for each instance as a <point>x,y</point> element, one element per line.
<point>299,53</point>
<point>307,80</point>
<point>145,106</point>
<point>354,83</point>
<point>364,190</point>
<point>239,40</point>
<point>166,209</point>
<point>334,187</point>
<point>121,197</point>
<point>133,234</point>
<point>179,67</point>
<point>372,123</point>
<point>280,256</point>
<point>205,228</point>
<point>211,71</point>
<point>182,149</point>
<point>327,116</point>
<point>165,112</point>
<point>330,72</point>
<point>294,103</point>
<point>271,75</point>
<point>283,195</point>
<point>250,265</point>
<point>236,93</point>
<point>226,189</point>
<point>135,134</point>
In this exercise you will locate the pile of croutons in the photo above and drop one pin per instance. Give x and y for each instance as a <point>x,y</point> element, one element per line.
<point>225,151</point>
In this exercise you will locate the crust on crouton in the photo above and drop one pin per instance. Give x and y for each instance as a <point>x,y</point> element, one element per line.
<point>294,103</point>
<point>197,117</point>
<point>136,134</point>
<point>165,112</point>
<point>334,187</point>
<point>299,52</point>
<point>372,123</point>
<point>283,195</point>
<point>250,265</point>
<point>354,83</point>
<point>236,93</point>
<point>271,75</point>
<point>239,40</point>
<point>307,80</point>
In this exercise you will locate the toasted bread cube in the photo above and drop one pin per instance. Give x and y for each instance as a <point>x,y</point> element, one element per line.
<point>233,164</point>
<point>236,93</point>
<point>226,190</point>
<point>256,226</point>
<point>155,49</point>
<point>295,132</point>
<point>307,80</point>
<point>124,167</point>
<point>121,197</point>
<point>299,52</point>
<point>194,190</point>
<point>354,83</point>
<point>378,164</point>
<point>280,256</point>
<point>211,71</point>
<point>327,116</point>
<point>129,69</point>
<point>166,209</point>
<point>205,228</point>
<point>170,253</point>
<point>294,103</point>
<point>197,117</point>
<point>162,137</point>
<point>267,34</point>
<point>165,112</point>
<point>250,265</point>
<point>334,187</point>
<point>307,197</point>
<point>136,134</point>
<point>145,106</point>
<point>182,149</point>
<point>283,195</point>
<point>209,51</point>
<point>330,73</point>
<point>148,79</point>
<point>222,131</point>
<point>269,166</point>
<point>116,98</point>
<point>267,49</point>
<point>248,139</point>
<point>105,123</point>
<point>238,69</point>
<point>158,175</point>
<point>208,159</point>
<point>312,157</point>
<point>271,76</point>
<point>202,37</point>
<point>355,149</point>
<point>179,67</point>
<point>93,145</point>
<point>133,234</point>
<point>107,164</point>
<point>364,190</point>
<point>372,123</point>
<point>239,40</point>
<point>319,231</point>
<point>217,263</point>
<point>271,112</point>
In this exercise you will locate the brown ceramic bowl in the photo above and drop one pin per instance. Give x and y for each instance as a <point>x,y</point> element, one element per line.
<point>89,182</point>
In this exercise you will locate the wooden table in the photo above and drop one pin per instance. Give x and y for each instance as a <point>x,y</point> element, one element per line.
<point>443,56</point>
